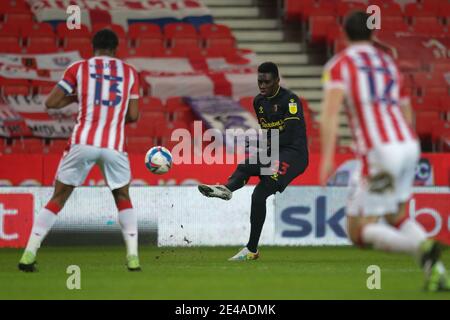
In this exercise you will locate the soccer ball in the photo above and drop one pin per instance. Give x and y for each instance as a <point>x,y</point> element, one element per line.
<point>158,160</point>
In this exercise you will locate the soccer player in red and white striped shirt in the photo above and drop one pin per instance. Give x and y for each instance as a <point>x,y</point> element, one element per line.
<point>107,92</point>
<point>370,84</point>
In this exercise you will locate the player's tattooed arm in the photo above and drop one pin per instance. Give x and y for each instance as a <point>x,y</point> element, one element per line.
<point>133,111</point>
<point>58,99</point>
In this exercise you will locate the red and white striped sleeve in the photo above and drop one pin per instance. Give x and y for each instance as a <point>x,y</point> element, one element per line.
<point>333,75</point>
<point>68,83</point>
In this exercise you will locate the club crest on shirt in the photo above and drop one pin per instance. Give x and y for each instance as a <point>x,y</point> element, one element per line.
<point>261,109</point>
<point>292,106</point>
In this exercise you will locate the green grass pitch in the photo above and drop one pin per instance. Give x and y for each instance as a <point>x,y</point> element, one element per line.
<point>204,273</point>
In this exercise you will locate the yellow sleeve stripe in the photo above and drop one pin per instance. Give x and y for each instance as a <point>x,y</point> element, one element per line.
<point>291,118</point>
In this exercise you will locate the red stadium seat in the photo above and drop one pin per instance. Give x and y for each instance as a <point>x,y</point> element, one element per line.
<point>219,51</point>
<point>388,8</point>
<point>174,103</point>
<point>168,52</point>
<point>36,47</point>
<point>118,29</point>
<point>424,122</point>
<point>41,29</point>
<point>320,8</point>
<point>180,124</point>
<point>16,90</point>
<point>15,5</point>
<point>42,41</point>
<point>10,29</point>
<point>122,51</point>
<point>17,17</point>
<point>293,9</point>
<point>440,127</point>
<point>57,146</point>
<point>428,9</point>
<point>16,147</point>
<point>444,11</point>
<point>183,41</point>
<point>394,24</point>
<point>140,52</point>
<point>183,115</point>
<point>431,83</point>
<point>319,26</point>
<point>63,32</point>
<point>186,50</point>
<point>151,104</point>
<point>135,130</point>
<point>144,30</point>
<point>334,34</point>
<point>76,42</point>
<point>85,52</point>
<point>180,29</point>
<point>42,87</point>
<point>427,26</point>
<point>210,30</point>
<point>13,82</point>
<point>152,118</point>
<point>33,145</point>
<point>426,103</point>
<point>10,47</point>
<point>6,40</point>
<point>220,42</point>
<point>344,8</point>
<point>149,43</point>
<point>139,144</point>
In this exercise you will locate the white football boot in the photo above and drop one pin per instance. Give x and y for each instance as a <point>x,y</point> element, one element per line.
<point>244,255</point>
<point>218,191</point>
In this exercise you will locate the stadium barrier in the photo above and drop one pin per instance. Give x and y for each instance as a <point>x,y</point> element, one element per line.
<point>181,216</point>
<point>39,170</point>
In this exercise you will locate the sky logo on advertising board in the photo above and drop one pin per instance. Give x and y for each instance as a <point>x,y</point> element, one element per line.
<point>432,210</point>
<point>293,216</point>
<point>16,219</point>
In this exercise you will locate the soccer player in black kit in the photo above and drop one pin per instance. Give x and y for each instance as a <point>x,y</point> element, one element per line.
<point>280,109</point>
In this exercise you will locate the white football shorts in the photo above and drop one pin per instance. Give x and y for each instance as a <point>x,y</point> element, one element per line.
<point>76,164</point>
<point>389,180</point>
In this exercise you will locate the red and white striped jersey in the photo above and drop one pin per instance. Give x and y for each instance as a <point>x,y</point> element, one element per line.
<point>104,86</point>
<point>373,94</point>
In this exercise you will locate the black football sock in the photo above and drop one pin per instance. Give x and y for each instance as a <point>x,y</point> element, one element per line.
<point>258,214</point>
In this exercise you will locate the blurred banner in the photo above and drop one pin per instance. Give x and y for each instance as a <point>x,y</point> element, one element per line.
<point>26,116</point>
<point>45,67</point>
<point>124,12</point>
<point>181,216</point>
<point>233,76</point>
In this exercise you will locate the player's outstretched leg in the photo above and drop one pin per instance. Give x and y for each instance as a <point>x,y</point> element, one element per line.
<point>236,181</point>
<point>42,225</point>
<point>428,251</point>
<point>436,277</point>
<point>217,191</point>
<point>128,224</point>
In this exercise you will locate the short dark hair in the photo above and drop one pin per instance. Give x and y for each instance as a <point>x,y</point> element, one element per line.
<point>355,26</point>
<point>269,67</point>
<point>105,39</point>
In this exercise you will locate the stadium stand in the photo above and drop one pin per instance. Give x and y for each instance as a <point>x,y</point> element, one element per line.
<point>200,40</point>
<point>416,33</point>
